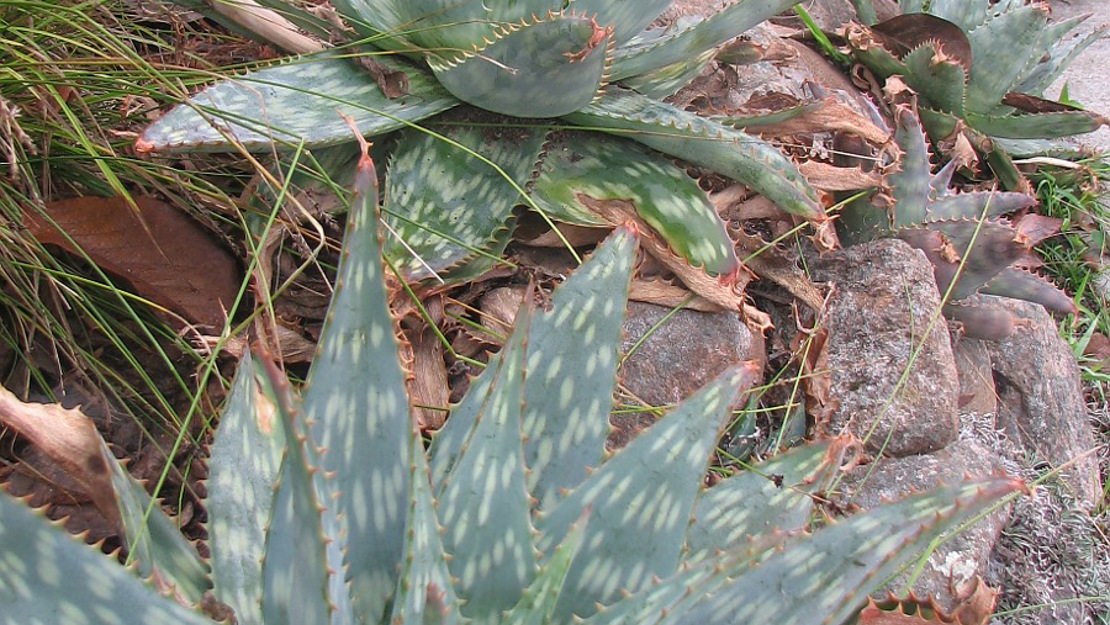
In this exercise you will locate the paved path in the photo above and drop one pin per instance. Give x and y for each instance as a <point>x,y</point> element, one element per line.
<point>1088,77</point>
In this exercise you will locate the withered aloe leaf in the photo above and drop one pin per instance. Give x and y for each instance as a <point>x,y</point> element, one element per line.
<point>52,578</point>
<point>640,500</point>
<point>361,413</point>
<point>447,195</point>
<point>730,152</point>
<point>299,102</point>
<point>243,470</point>
<point>906,33</point>
<point>610,168</point>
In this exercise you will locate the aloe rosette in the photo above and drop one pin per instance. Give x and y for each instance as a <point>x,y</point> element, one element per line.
<point>974,246</point>
<point>325,507</point>
<point>522,68</point>
<point>981,69</point>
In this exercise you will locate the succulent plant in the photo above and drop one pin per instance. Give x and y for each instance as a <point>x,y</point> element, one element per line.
<point>523,68</point>
<point>980,69</point>
<point>324,506</point>
<point>973,247</point>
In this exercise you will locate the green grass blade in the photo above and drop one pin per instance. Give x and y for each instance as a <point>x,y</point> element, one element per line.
<point>50,577</point>
<point>297,102</point>
<point>569,383</point>
<point>243,470</point>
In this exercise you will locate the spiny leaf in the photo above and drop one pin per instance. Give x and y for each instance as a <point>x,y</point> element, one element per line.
<point>243,469</point>
<point>445,201</point>
<point>745,158</point>
<point>1021,284</point>
<point>981,322</point>
<point>609,168</point>
<point>940,80</point>
<point>641,500</point>
<point>546,67</point>
<point>294,103</point>
<point>50,577</point>
<point>360,414</point>
<point>571,370</point>
<point>538,601</point>
<point>1012,34</point>
<point>1047,125</point>
<point>483,501</point>
<point>976,204</point>
<point>910,184</point>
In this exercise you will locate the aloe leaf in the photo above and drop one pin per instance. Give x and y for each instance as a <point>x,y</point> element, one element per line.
<point>776,495</point>
<point>627,17</point>
<point>483,502</point>
<point>668,80</point>
<point>424,590</point>
<point>745,158</point>
<point>910,184</point>
<point>50,577</point>
<point>985,249</point>
<point>609,168</point>
<point>244,466</point>
<point>448,29</point>
<point>941,81</point>
<point>293,103</point>
<point>977,204</point>
<point>1060,54</point>
<point>568,388</point>
<point>438,187</point>
<point>692,41</point>
<point>964,13</point>
<point>448,441</point>
<point>301,548</point>
<point>824,578</point>
<point>155,542</point>
<point>360,413</point>
<point>641,500</point>
<point>538,601</point>
<point>1010,35</point>
<point>1050,125</point>
<point>988,323</point>
<point>1021,284</point>
<point>546,67</point>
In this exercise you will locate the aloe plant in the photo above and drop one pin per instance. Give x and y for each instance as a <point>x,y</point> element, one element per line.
<point>522,68</point>
<point>324,506</point>
<point>981,69</point>
<point>974,248</point>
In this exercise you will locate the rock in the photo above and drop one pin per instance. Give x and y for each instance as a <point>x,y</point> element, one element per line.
<point>678,358</point>
<point>1040,399</point>
<point>885,298</point>
<point>956,562</point>
<point>973,366</point>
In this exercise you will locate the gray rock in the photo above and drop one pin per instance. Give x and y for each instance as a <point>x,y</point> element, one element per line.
<point>678,358</point>
<point>885,298</point>
<point>973,365</point>
<point>959,560</point>
<point>1040,398</point>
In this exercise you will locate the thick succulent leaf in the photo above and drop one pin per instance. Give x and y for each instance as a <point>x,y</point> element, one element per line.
<point>243,470</point>
<point>448,194</point>
<point>666,81</point>
<point>298,102</point>
<point>871,53</point>
<point>546,67</point>
<point>689,43</point>
<point>1050,125</point>
<point>302,539</point>
<point>448,441</point>
<point>50,577</point>
<point>986,249</point>
<point>742,157</point>
<point>977,204</point>
<point>155,542</point>
<point>910,184</point>
<point>988,323</point>
<point>641,500</point>
<point>483,502</point>
<point>627,17</point>
<point>538,601</point>
<point>1021,284</point>
<point>861,220</point>
<point>1011,35</point>
<point>776,495</point>
<point>939,79</point>
<point>424,590</point>
<point>1060,54</point>
<point>609,168</point>
<point>448,29</point>
<point>571,370</point>
<point>824,578</point>
<point>357,409</point>
<point>967,14</point>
